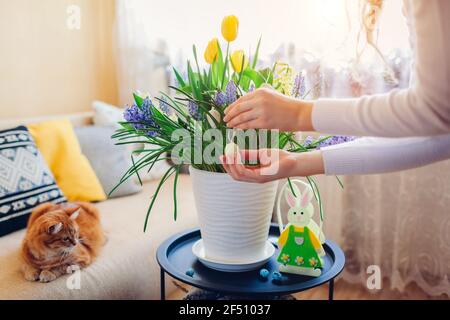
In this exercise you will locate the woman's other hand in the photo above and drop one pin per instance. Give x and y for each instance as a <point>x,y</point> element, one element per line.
<point>268,109</point>
<point>273,164</point>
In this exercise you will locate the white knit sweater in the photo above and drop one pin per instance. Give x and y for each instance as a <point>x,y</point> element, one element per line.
<point>421,112</point>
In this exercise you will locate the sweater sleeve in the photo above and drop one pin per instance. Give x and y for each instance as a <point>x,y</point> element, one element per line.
<point>381,155</point>
<point>423,109</point>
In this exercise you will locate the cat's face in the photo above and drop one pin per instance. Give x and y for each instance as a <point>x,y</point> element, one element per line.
<point>62,235</point>
<point>56,231</point>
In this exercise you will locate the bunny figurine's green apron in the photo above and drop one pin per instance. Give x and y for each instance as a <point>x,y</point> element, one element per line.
<point>299,250</point>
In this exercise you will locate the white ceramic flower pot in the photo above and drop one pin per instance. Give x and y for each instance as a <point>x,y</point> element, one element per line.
<point>234,216</point>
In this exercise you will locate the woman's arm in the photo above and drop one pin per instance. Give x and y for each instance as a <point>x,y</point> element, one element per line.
<point>361,156</point>
<point>381,155</point>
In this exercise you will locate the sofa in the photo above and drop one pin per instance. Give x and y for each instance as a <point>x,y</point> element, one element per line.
<point>127,266</point>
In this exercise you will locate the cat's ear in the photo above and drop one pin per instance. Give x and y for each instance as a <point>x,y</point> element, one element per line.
<point>54,229</point>
<point>75,215</point>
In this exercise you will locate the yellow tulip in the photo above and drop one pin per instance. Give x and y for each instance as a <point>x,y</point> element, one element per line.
<point>230,25</point>
<point>212,51</point>
<point>236,59</point>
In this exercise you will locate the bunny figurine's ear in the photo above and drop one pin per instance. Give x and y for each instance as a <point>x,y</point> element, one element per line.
<point>306,197</point>
<point>290,198</point>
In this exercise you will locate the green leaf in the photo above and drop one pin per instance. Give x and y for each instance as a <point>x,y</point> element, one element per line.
<point>126,125</point>
<point>210,79</point>
<point>254,76</point>
<point>225,68</point>
<point>255,58</point>
<point>267,74</point>
<point>340,182</point>
<point>138,99</point>
<point>155,195</point>
<point>291,187</point>
<point>220,65</point>
<point>179,78</point>
<point>175,206</point>
<point>135,170</point>
<point>316,193</point>
<point>200,80</point>
<point>193,83</point>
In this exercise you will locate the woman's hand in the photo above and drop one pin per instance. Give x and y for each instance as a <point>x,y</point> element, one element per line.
<point>273,164</point>
<point>268,109</point>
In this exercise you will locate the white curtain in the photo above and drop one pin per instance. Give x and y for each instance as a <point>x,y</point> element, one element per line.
<point>142,57</point>
<point>154,34</point>
<point>399,222</point>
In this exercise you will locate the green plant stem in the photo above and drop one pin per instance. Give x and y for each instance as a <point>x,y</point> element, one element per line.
<point>226,65</point>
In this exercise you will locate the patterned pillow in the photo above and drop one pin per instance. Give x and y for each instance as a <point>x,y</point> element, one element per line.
<point>25,180</point>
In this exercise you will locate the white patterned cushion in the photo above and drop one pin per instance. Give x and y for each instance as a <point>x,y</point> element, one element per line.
<point>25,179</point>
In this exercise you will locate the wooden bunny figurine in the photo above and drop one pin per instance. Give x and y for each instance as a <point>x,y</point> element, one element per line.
<point>301,250</point>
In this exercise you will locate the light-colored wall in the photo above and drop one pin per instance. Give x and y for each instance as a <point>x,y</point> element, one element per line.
<point>47,69</point>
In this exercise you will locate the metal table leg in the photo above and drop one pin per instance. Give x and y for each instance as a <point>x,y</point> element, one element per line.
<point>162,283</point>
<point>331,290</point>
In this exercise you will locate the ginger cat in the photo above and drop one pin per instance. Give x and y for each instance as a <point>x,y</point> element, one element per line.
<point>58,237</point>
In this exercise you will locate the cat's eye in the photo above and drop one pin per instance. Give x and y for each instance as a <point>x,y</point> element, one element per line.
<point>66,239</point>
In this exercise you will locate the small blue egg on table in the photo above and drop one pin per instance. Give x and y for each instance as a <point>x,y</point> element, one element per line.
<point>264,273</point>
<point>190,272</point>
<point>276,276</point>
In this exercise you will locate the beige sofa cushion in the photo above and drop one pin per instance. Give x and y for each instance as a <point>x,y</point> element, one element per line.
<point>127,267</point>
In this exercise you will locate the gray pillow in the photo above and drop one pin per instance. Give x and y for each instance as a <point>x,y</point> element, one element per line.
<point>109,161</point>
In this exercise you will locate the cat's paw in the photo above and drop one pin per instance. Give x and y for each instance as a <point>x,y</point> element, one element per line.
<point>31,274</point>
<point>72,269</point>
<point>47,276</point>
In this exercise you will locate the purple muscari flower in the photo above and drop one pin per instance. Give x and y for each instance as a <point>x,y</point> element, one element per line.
<point>194,111</point>
<point>164,106</point>
<point>252,88</point>
<point>299,86</point>
<point>141,118</point>
<point>231,92</point>
<point>307,141</point>
<point>334,141</point>
<point>132,114</point>
<point>220,99</point>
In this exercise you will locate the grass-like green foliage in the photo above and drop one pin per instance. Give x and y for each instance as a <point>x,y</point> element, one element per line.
<point>199,87</point>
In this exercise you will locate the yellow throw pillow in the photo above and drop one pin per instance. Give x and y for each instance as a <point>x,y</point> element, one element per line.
<point>57,142</point>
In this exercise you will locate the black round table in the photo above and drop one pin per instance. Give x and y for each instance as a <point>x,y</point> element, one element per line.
<point>175,257</point>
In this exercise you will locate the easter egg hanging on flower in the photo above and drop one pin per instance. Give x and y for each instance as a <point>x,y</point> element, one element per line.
<point>213,113</point>
<point>231,149</point>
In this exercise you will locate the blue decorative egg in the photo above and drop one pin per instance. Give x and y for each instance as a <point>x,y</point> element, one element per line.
<point>276,276</point>
<point>190,272</point>
<point>264,273</point>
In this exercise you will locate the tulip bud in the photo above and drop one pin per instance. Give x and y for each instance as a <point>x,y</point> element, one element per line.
<point>212,51</point>
<point>238,61</point>
<point>230,25</point>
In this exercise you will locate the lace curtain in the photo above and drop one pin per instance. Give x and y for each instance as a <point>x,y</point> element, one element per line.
<point>400,221</point>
